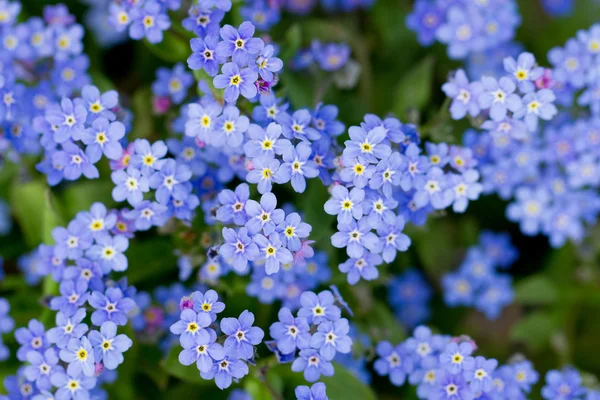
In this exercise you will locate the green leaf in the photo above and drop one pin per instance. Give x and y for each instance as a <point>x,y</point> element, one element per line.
<point>143,125</point>
<point>414,90</point>
<point>173,367</point>
<point>149,259</point>
<point>174,47</point>
<point>536,329</point>
<point>257,389</point>
<point>32,203</point>
<point>536,290</point>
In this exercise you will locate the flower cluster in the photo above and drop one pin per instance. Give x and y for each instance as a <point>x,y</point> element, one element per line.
<point>409,295</point>
<point>548,170</point>
<point>464,26</point>
<point>317,333</point>
<point>443,367</point>
<point>383,181</point>
<point>477,282</point>
<point>72,355</point>
<point>196,328</point>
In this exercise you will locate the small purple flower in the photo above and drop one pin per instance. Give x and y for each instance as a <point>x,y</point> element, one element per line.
<point>80,357</point>
<point>239,44</point>
<point>236,82</point>
<point>241,336</point>
<point>108,346</point>
<point>149,20</point>
<point>290,333</point>
<point>239,248</point>
<point>110,306</point>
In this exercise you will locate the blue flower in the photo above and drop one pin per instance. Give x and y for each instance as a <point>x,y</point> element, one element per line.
<point>465,95</point>
<point>73,294</point>
<point>312,364</point>
<point>149,21</point>
<point>239,44</point>
<point>80,357</point>
<point>208,303</point>
<point>524,71</point>
<point>315,392</point>
<point>239,248</point>
<point>203,351</point>
<point>272,251</point>
<point>263,173</point>
<point>538,105</point>
<point>173,83</point>
<point>110,306</point>
<point>267,63</point>
<point>147,214</point>
<point>393,361</point>
<point>67,328</point>
<point>148,158</point>
<point>241,336</point>
<point>236,81</point>
<point>230,128</point>
<point>72,386</point>
<point>191,325</point>
<point>233,205</point>
<point>292,230</point>
<point>456,357</point>
<point>263,217</point>
<point>204,55</point>
<point>223,372</point>
<point>265,142</point>
<point>171,182</point>
<point>202,120</point>
<point>318,308</point>
<point>99,105</point>
<point>103,138</point>
<point>290,333</point>
<point>563,385</point>
<point>364,267</point>
<point>108,252</point>
<point>43,366</point>
<point>296,167</point>
<point>130,185</point>
<point>356,237</point>
<point>108,346</point>
<point>297,126</point>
